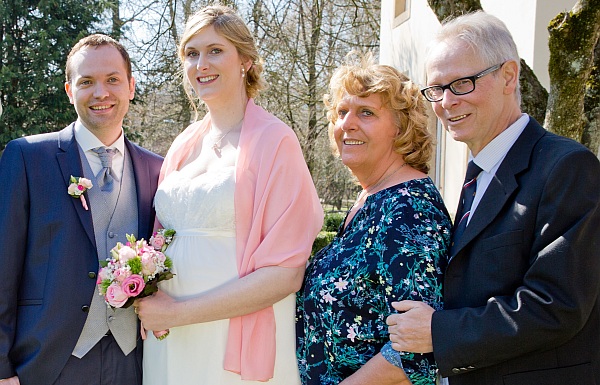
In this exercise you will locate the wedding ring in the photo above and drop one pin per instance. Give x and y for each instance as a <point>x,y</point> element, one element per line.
<point>135,310</point>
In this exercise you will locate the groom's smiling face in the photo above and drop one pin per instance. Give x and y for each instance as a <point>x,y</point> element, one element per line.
<point>100,90</point>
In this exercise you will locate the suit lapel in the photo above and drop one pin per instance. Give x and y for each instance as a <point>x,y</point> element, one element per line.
<point>144,194</point>
<point>503,185</point>
<point>70,164</point>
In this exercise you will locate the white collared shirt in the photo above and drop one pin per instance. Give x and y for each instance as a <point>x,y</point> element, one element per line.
<point>491,156</point>
<point>88,141</point>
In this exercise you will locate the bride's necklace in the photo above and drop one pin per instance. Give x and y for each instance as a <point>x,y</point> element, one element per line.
<point>368,190</point>
<point>217,143</point>
<point>217,146</point>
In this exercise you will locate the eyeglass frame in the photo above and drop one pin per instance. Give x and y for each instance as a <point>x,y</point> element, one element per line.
<point>449,85</point>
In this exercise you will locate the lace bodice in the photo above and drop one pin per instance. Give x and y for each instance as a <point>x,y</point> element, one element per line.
<point>205,201</point>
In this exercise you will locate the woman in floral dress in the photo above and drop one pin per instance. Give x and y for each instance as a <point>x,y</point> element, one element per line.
<point>392,245</point>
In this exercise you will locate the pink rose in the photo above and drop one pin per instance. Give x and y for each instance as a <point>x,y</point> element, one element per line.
<point>126,253</point>
<point>121,274</point>
<point>85,183</point>
<point>133,285</point>
<point>148,265</point>
<point>115,296</point>
<point>160,257</point>
<point>145,249</point>
<point>158,241</point>
<point>73,189</point>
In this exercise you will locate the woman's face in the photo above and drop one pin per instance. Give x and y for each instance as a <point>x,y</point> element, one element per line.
<point>364,134</point>
<point>214,67</point>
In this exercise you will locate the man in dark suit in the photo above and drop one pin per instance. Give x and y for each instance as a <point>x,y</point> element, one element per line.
<point>54,327</point>
<point>523,281</point>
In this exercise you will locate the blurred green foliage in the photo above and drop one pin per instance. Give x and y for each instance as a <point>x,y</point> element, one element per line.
<point>36,37</point>
<point>331,224</point>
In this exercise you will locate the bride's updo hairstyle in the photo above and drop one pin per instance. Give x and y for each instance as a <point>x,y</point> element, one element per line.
<point>230,25</point>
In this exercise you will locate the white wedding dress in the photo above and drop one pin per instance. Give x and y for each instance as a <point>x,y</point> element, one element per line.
<point>201,210</point>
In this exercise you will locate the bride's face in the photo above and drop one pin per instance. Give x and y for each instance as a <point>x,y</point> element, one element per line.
<point>213,67</point>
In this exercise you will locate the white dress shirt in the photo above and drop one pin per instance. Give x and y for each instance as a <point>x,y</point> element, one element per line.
<point>491,156</point>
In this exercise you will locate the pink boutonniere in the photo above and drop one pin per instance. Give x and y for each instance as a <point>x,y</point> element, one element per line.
<point>78,186</point>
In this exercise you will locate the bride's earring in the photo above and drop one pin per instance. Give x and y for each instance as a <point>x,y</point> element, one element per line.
<point>243,72</point>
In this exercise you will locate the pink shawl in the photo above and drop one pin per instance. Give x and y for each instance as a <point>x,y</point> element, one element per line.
<point>277,214</point>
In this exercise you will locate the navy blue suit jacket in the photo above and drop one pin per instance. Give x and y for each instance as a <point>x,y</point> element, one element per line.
<point>521,292</point>
<point>48,257</point>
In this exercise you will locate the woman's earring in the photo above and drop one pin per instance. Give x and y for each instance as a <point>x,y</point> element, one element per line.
<point>243,72</point>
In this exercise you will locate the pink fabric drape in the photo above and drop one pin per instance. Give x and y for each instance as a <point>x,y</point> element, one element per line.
<point>277,213</point>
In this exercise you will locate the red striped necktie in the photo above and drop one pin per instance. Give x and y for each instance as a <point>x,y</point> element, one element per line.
<point>466,200</point>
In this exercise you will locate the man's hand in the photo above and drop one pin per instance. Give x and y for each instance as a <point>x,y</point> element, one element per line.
<point>410,330</point>
<point>10,381</point>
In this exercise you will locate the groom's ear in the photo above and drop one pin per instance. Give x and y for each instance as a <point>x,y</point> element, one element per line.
<point>131,88</point>
<point>69,91</point>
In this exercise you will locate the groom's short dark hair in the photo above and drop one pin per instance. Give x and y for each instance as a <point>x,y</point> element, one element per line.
<point>98,40</point>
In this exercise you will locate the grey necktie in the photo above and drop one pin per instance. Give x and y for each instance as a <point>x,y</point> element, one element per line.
<point>106,176</point>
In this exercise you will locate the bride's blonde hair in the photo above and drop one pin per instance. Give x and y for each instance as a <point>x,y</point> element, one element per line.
<point>230,25</point>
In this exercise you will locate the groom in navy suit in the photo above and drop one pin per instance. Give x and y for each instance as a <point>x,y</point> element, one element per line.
<point>522,287</point>
<point>54,327</point>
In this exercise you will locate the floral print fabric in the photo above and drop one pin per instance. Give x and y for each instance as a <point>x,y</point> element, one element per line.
<point>394,248</point>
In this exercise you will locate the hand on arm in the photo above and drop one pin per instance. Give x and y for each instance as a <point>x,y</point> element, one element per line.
<point>10,381</point>
<point>378,371</point>
<point>258,290</point>
<point>410,330</point>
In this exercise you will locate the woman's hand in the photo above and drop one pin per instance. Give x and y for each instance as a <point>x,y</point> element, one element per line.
<point>256,291</point>
<point>157,312</point>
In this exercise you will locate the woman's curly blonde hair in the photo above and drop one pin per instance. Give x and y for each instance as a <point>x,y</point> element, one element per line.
<point>362,77</point>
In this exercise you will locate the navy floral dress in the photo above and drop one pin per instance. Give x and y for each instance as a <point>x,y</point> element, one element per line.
<point>394,248</point>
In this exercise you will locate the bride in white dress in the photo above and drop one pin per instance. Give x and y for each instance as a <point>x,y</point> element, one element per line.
<point>239,195</point>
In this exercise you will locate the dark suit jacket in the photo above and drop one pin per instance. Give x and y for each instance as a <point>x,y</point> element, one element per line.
<point>521,292</point>
<point>48,254</point>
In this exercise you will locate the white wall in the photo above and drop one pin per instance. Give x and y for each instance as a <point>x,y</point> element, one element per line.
<point>404,47</point>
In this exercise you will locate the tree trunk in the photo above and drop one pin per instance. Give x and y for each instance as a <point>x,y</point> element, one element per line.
<point>573,40</point>
<point>591,106</point>
<point>534,97</point>
<point>444,9</point>
<point>117,23</point>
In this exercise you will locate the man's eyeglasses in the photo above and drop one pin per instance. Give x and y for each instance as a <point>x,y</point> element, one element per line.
<point>460,86</point>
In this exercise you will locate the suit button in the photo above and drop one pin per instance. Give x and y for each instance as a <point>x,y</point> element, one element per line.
<point>92,274</point>
<point>85,308</point>
<point>111,234</point>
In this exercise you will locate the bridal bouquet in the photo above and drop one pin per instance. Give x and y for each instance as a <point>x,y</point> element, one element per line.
<point>135,268</point>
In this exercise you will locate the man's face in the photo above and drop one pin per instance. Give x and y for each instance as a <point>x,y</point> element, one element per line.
<point>477,117</point>
<point>99,90</point>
